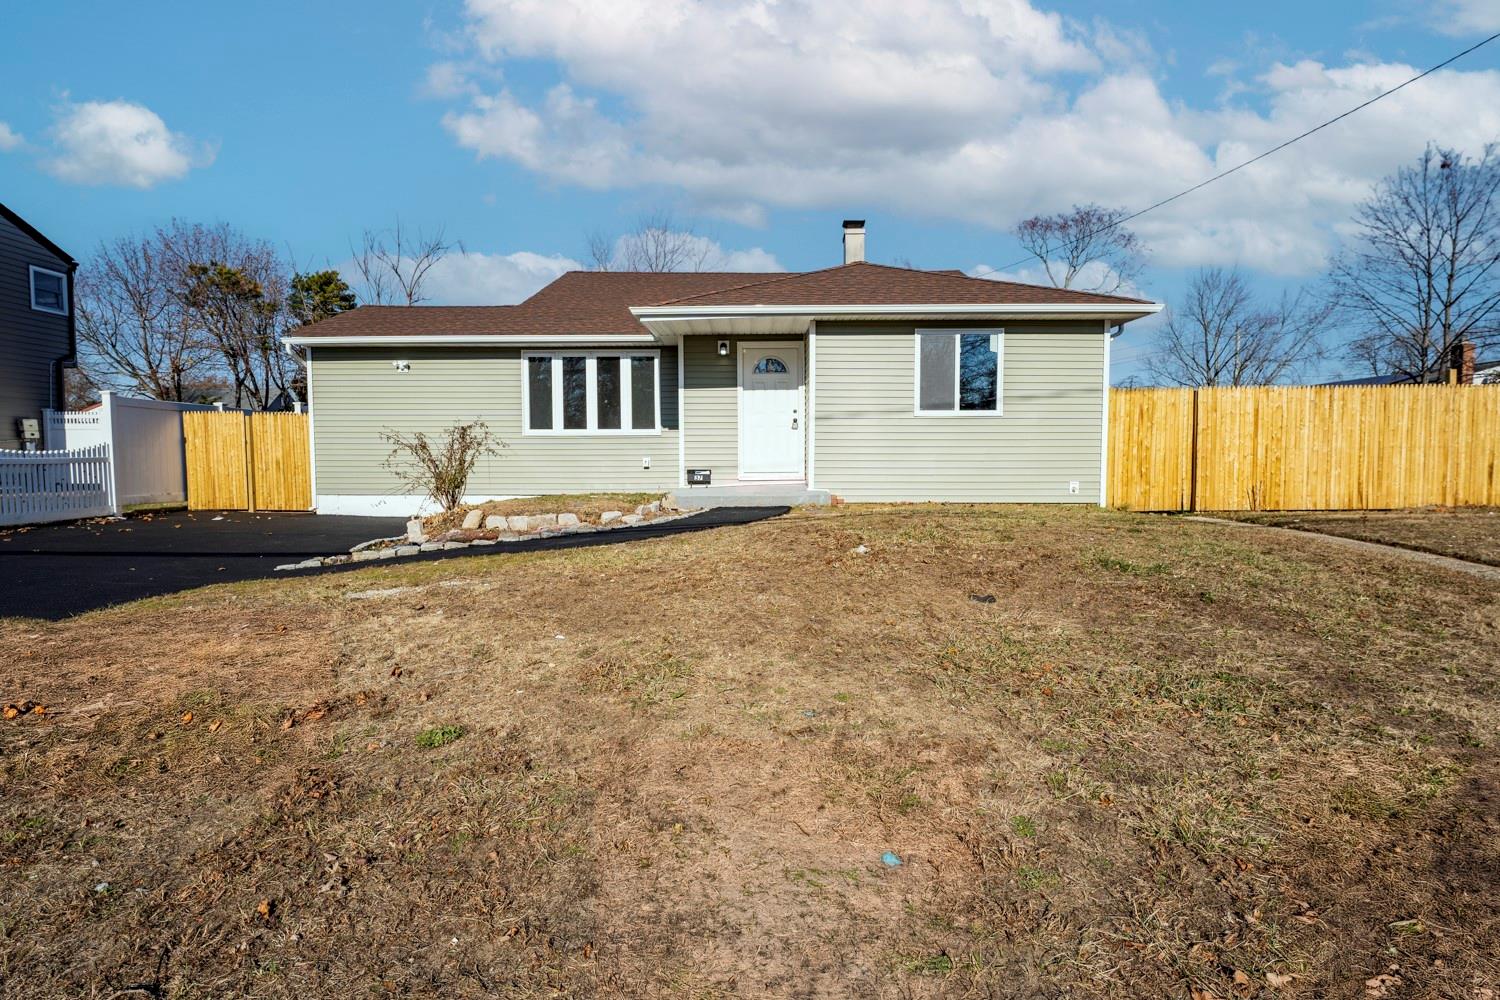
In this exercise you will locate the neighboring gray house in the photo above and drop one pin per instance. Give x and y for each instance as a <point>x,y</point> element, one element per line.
<point>36,324</point>
<point>863,381</point>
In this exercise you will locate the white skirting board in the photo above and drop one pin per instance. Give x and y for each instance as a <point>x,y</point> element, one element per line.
<point>389,505</point>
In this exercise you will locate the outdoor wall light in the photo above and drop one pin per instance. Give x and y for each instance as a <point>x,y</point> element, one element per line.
<point>401,366</point>
<point>723,348</point>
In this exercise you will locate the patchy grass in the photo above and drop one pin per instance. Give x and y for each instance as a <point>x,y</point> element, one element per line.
<point>680,767</point>
<point>1471,533</point>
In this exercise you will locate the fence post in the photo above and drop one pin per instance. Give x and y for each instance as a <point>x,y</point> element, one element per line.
<point>248,436</point>
<point>107,415</point>
<point>1193,459</point>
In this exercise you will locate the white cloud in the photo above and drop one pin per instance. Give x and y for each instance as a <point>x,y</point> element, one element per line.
<point>485,279</point>
<point>705,253</point>
<point>1465,17</point>
<point>10,139</point>
<point>1093,276</point>
<point>119,142</point>
<point>981,110</point>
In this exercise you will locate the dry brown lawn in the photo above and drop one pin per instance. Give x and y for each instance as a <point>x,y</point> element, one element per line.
<point>1471,533</point>
<point>1117,755</point>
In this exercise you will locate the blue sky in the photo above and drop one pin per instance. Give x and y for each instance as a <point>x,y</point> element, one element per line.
<point>522,127</point>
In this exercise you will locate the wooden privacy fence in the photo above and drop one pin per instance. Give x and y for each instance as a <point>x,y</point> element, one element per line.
<point>37,486</point>
<point>247,461</point>
<point>1304,447</point>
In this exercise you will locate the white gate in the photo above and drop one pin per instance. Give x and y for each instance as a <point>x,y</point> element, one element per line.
<point>38,486</point>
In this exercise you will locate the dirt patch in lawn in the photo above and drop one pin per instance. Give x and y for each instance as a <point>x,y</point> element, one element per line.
<point>1471,533</point>
<point>1113,754</point>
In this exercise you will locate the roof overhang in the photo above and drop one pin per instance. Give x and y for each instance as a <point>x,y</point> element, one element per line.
<point>670,322</point>
<point>478,339</point>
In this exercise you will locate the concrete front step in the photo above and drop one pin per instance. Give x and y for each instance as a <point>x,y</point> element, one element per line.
<point>748,496</point>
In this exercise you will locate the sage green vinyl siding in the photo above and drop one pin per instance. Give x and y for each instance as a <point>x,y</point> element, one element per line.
<point>711,404</point>
<point>870,446</point>
<point>357,393</point>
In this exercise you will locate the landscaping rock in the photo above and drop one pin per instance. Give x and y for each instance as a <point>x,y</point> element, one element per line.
<point>365,555</point>
<point>285,566</point>
<point>632,519</point>
<point>483,541</point>
<point>455,545</point>
<point>387,553</point>
<point>408,550</point>
<point>568,520</point>
<point>431,546</point>
<point>495,521</point>
<point>544,521</point>
<point>308,564</point>
<point>414,531</point>
<point>608,516</point>
<point>518,523</point>
<point>472,518</point>
<point>649,509</point>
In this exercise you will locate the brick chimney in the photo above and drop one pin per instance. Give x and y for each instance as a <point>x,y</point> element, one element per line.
<point>1461,363</point>
<point>854,241</point>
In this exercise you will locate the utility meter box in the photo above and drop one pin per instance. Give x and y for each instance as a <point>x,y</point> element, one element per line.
<point>30,429</point>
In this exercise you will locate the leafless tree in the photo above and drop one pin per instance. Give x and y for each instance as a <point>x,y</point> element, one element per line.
<point>1218,335</point>
<point>440,467</point>
<point>394,264</point>
<point>134,330</point>
<point>1424,272</point>
<point>659,241</point>
<point>1086,248</point>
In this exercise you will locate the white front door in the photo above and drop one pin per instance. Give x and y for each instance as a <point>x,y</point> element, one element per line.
<point>771,420</point>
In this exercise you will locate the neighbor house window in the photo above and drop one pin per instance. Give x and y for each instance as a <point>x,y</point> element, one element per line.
<point>49,291</point>
<point>592,392</point>
<point>959,371</point>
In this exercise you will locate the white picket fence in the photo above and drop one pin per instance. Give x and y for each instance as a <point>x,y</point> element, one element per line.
<point>37,486</point>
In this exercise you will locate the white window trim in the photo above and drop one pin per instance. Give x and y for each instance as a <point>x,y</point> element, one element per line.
<point>31,274</point>
<point>591,384</point>
<point>916,387</point>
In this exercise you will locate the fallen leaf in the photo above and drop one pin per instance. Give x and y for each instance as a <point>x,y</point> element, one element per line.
<point>264,909</point>
<point>315,713</point>
<point>288,723</point>
<point>213,726</point>
<point>1279,979</point>
<point>11,711</point>
<point>187,718</point>
<point>1242,981</point>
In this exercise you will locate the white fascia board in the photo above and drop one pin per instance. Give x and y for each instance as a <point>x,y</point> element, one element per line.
<point>670,313</point>
<point>519,340</point>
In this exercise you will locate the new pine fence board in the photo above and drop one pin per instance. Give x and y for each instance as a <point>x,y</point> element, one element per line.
<point>1304,447</point>
<point>247,461</point>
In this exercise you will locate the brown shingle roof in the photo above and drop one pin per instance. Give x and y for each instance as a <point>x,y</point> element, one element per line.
<point>593,303</point>
<point>876,284</point>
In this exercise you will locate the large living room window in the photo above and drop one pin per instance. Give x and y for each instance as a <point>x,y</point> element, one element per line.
<point>591,392</point>
<point>959,372</point>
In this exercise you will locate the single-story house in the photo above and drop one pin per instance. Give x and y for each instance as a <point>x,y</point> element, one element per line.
<point>862,381</point>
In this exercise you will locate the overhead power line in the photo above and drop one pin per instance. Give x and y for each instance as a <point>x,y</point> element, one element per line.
<point>1256,159</point>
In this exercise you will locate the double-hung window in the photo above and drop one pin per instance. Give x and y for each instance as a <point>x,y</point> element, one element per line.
<point>959,372</point>
<point>591,392</point>
<point>49,291</point>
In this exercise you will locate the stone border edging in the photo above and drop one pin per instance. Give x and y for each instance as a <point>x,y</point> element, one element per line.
<point>367,552</point>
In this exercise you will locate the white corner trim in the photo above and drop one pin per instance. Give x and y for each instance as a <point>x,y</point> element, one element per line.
<point>312,437</point>
<point>812,402</point>
<point>681,414</point>
<point>1104,425</point>
<point>390,505</point>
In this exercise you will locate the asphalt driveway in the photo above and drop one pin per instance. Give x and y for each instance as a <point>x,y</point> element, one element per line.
<point>54,571</point>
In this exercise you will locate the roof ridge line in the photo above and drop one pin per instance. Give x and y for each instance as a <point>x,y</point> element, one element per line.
<point>751,284</point>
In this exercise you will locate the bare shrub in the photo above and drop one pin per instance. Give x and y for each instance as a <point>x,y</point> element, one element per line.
<point>440,466</point>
